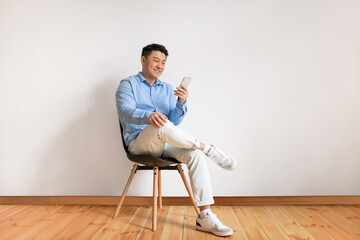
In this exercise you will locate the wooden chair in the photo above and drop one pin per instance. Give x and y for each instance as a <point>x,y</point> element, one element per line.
<point>148,162</point>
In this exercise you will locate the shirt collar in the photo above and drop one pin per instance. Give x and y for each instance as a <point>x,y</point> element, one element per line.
<point>143,79</point>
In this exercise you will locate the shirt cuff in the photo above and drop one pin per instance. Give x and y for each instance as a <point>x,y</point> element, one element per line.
<point>147,116</point>
<point>182,106</point>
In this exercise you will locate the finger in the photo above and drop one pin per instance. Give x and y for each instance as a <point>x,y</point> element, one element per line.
<point>154,121</point>
<point>153,124</point>
<point>160,120</point>
<point>163,118</point>
<point>160,123</point>
<point>162,115</point>
<point>181,95</point>
<point>183,87</point>
<point>181,90</point>
<point>177,93</point>
<point>157,124</point>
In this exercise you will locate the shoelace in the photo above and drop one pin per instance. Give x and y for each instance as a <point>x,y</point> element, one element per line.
<point>217,152</point>
<point>214,219</point>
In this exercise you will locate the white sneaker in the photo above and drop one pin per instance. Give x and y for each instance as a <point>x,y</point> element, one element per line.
<point>210,223</point>
<point>220,158</point>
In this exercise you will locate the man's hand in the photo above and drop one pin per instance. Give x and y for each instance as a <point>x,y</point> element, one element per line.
<point>157,119</point>
<point>182,93</point>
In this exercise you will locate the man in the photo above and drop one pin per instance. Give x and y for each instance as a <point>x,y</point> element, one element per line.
<point>149,111</point>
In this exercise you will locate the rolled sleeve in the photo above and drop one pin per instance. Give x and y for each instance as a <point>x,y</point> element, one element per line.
<point>182,106</point>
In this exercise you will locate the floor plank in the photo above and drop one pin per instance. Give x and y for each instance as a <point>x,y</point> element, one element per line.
<point>26,220</point>
<point>60,220</point>
<point>83,221</point>
<point>312,229</point>
<point>148,233</point>
<point>353,210</point>
<point>340,222</point>
<point>5,208</point>
<point>251,228</point>
<point>271,228</point>
<point>113,228</point>
<point>342,218</point>
<point>290,226</point>
<point>95,223</point>
<point>136,225</point>
<point>174,225</point>
<point>316,219</point>
<point>14,214</point>
<point>8,213</point>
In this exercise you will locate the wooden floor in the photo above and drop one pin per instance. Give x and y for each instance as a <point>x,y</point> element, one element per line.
<point>177,222</point>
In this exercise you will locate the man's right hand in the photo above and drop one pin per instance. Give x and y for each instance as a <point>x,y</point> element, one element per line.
<point>157,119</point>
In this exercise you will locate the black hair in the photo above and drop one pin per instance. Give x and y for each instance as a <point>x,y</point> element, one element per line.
<point>153,47</point>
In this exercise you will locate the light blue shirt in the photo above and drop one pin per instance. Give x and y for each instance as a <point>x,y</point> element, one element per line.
<point>136,100</point>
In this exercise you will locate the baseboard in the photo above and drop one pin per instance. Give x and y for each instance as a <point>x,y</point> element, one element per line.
<point>143,201</point>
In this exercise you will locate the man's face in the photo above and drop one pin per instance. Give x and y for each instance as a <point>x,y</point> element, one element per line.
<point>153,65</point>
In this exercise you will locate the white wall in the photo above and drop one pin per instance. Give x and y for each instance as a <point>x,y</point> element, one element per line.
<point>275,83</point>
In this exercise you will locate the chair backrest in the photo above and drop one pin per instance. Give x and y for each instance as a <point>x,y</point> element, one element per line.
<point>122,138</point>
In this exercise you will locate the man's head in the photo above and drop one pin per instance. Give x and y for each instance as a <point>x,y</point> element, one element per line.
<point>154,47</point>
<point>153,59</point>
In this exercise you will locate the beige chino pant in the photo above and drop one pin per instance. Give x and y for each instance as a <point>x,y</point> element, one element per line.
<point>171,141</point>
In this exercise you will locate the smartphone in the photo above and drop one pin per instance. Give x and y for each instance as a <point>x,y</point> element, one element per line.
<point>186,81</point>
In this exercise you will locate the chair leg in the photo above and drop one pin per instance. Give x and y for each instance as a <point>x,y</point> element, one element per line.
<point>159,185</point>
<point>125,190</point>
<point>187,187</point>
<point>155,190</point>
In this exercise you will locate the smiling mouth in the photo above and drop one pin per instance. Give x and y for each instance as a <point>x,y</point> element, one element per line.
<point>157,71</point>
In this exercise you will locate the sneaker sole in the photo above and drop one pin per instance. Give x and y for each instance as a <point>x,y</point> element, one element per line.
<point>230,168</point>
<point>220,234</point>
<point>235,163</point>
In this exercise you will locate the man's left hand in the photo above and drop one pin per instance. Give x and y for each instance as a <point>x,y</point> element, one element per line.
<point>182,93</point>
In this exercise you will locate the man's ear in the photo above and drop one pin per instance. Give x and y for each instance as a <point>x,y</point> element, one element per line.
<point>143,58</point>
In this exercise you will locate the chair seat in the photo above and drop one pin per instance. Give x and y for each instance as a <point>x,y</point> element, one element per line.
<point>147,160</point>
<point>152,161</point>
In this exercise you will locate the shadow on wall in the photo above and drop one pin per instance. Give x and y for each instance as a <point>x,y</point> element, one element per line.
<point>87,158</point>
